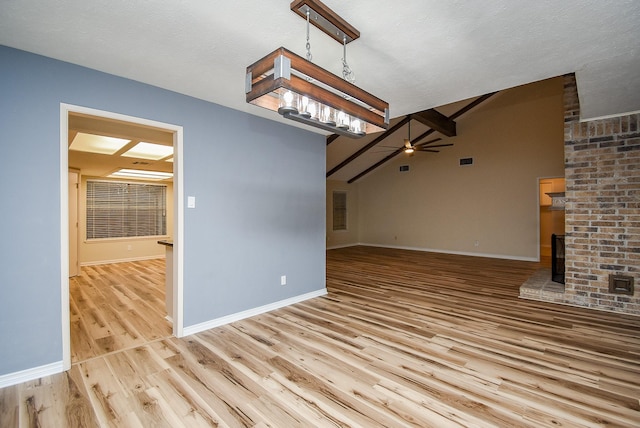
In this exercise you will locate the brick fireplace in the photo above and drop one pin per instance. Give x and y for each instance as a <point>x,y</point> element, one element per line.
<point>602,216</point>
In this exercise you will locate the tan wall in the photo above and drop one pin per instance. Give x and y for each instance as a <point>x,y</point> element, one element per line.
<point>490,208</point>
<point>347,237</point>
<point>117,250</point>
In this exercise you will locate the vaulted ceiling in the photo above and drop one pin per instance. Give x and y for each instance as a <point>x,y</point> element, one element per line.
<point>415,54</point>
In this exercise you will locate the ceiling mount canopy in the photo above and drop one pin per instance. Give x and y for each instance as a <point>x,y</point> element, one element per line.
<point>326,20</point>
<point>302,91</point>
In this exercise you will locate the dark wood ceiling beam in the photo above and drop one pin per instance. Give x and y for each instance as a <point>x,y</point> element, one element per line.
<point>331,138</point>
<point>377,164</point>
<point>436,120</point>
<point>381,137</point>
<point>471,105</point>
<point>422,136</point>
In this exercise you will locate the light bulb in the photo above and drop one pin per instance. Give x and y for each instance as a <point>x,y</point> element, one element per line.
<point>288,98</point>
<point>343,120</point>
<point>312,110</point>
<point>304,107</point>
<point>287,103</point>
<point>357,127</point>
<point>327,115</point>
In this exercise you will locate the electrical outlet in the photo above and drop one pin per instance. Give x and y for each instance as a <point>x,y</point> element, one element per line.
<point>476,243</point>
<point>129,247</point>
<point>283,280</point>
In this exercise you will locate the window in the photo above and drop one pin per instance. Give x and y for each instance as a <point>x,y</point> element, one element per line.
<point>339,210</point>
<point>120,210</point>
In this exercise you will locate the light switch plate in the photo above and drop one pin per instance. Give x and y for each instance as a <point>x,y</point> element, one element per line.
<point>191,201</point>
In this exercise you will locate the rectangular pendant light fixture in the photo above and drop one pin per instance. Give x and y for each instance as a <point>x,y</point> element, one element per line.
<point>302,91</point>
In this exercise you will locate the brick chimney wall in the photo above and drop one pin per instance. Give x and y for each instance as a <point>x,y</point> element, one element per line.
<point>602,217</point>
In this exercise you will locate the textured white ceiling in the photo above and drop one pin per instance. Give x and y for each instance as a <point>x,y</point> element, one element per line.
<point>415,54</point>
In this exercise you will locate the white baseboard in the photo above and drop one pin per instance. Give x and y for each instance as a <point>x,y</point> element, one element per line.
<point>197,328</point>
<point>131,259</point>
<point>335,247</point>
<point>31,374</point>
<point>460,253</point>
<point>57,367</point>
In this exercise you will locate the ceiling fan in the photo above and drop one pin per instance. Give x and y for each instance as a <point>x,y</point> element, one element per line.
<point>427,146</point>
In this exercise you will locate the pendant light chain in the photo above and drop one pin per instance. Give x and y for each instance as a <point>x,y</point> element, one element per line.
<point>309,56</point>
<point>347,73</point>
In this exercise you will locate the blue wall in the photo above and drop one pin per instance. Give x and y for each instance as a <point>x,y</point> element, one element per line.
<point>260,190</point>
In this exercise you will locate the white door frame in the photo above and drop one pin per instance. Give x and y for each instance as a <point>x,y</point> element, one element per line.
<point>178,211</point>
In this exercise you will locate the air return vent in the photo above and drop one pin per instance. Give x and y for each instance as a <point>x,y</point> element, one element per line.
<point>404,168</point>
<point>466,161</point>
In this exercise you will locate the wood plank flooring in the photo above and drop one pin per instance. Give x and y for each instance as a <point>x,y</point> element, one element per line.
<point>403,339</point>
<point>117,306</point>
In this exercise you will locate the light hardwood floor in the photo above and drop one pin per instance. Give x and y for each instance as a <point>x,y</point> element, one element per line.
<point>402,339</point>
<point>117,306</point>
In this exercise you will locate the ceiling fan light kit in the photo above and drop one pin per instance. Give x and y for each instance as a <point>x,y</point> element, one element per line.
<point>299,90</point>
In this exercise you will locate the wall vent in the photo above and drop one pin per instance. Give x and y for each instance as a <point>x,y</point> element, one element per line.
<point>466,161</point>
<point>620,284</point>
<point>404,168</point>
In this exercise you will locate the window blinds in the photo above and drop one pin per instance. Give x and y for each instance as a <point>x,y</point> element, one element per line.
<point>118,209</point>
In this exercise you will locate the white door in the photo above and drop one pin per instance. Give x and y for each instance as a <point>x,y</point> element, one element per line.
<point>73,222</point>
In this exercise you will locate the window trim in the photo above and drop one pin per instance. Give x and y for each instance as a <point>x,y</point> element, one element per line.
<point>345,210</point>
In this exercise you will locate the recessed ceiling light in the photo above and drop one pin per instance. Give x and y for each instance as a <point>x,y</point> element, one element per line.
<point>140,174</point>
<point>97,143</point>
<point>149,151</point>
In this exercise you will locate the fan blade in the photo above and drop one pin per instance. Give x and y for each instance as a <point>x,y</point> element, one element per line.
<point>426,143</point>
<point>427,150</point>
<point>430,147</point>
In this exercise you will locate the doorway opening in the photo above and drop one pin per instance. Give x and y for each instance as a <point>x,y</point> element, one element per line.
<point>135,132</point>
<point>551,216</point>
